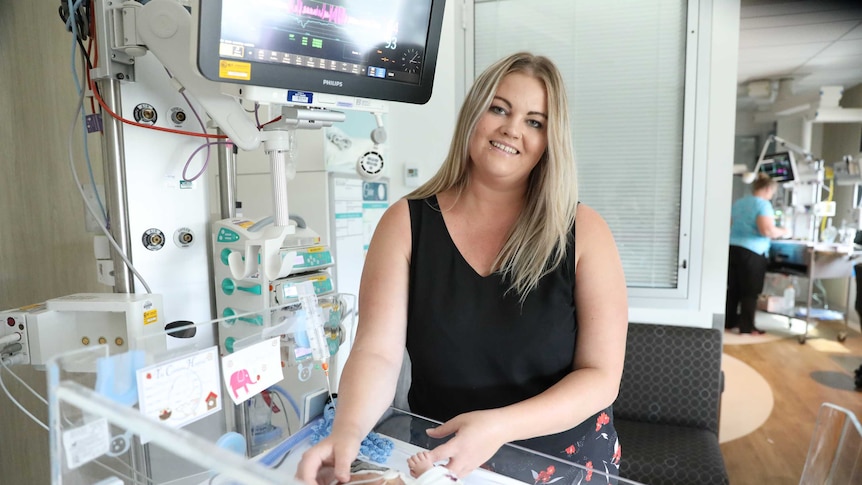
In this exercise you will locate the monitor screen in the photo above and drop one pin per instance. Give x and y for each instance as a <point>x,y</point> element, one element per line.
<point>376,49</point>
<point>779,166</point>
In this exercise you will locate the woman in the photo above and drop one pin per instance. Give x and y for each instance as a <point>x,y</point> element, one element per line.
<point>509,295</point>
<point>752,227</point>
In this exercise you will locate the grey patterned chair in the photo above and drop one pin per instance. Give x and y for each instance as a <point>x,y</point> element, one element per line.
<point>666,414</point>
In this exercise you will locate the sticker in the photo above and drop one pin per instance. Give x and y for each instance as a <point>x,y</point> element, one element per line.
<point>231,50</point>
<point>300,97</point>
<point>86,443</point>
<point>252,369</point>
<point>151,316</point>
<point>234,70</point>
<point>182,390</point>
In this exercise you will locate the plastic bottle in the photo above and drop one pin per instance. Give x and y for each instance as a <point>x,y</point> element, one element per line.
<point>789,299</point>
<point>830,233</point>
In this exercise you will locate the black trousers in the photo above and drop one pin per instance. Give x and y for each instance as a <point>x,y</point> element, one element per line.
<point>858,270</point>
<point>746,271</point>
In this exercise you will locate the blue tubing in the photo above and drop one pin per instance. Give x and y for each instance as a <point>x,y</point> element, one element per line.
<point>285,446</point>
<point>284,393</point>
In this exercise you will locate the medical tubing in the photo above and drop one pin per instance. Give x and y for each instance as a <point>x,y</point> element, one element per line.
<point>285,446</point>
<point>73,27</point>
<point>5,361</point>
<point>257,226</point>
<point>88,204</point>
<point>13,360</point>
<point>10,339</point>
<point>286,421</point>
<point>79,89</point>
<point>16,403</point>
<point>284,393</point>
<point>206,162</point>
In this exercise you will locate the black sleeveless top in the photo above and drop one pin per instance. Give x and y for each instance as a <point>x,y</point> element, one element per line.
<point>474,346</point>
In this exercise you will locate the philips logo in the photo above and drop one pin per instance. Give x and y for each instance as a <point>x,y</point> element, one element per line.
<point>329,82</point>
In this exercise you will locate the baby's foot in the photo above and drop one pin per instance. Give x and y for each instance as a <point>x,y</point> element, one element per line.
<point>420,463</point>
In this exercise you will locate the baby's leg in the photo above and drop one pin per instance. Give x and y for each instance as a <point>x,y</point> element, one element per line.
<point>420,463</point>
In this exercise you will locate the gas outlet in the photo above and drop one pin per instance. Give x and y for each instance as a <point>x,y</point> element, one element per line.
<point>145,113</point>
<point>153,239</point>
<point>184,237</point>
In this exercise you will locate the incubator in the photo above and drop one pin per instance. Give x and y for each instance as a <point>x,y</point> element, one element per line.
<point>818,248</point>
<point>152,412</point>
<point>109,410</point>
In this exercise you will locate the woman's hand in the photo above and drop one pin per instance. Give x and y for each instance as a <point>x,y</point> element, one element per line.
<point>327,460</point>
<point>478,435</point>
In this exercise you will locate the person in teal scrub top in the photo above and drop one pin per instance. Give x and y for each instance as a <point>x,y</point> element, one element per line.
<point>752,227</point>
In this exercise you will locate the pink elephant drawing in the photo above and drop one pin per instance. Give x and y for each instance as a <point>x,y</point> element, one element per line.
<point>240,379</point>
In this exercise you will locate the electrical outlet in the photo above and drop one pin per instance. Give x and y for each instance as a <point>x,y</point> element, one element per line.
<point>18,321</point>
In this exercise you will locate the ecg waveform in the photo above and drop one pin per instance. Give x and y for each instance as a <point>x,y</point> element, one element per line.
<point>324,11</point>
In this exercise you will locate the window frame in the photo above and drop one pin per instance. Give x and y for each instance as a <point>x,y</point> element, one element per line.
<point>694,153</point>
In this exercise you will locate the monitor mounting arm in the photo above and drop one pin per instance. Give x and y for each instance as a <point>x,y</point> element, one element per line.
<point>807,156</point>
<point>165,28</point>
<point>748,177</point>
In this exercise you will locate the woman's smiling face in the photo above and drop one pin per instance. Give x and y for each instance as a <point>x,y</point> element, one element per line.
<point>511,136</point>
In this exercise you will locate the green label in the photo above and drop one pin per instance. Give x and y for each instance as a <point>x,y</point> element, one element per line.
<point>227,236</point>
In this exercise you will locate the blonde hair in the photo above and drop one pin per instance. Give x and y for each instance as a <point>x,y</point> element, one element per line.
<point>536,244</point>
<point>763,181</point>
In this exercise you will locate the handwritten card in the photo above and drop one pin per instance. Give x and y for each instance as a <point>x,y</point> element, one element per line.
<point>180,391</point>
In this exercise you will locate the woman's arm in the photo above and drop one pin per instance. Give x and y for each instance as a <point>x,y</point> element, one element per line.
<point>766,226</point>
<point>593,384</point>
<point>367,385</point>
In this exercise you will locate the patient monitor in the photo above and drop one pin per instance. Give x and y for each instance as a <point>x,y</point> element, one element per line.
<point>377,50</point>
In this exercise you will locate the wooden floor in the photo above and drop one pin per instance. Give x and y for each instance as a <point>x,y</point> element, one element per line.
<point>801,377</point>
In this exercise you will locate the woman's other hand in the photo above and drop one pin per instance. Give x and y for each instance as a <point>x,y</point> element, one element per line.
<point>478,435</point>
<point>330,458</point>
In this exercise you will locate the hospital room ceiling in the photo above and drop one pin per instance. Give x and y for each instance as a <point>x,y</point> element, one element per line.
<point>813,43</point>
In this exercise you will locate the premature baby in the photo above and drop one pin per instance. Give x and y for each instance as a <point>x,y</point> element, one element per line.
<point>422,472</point>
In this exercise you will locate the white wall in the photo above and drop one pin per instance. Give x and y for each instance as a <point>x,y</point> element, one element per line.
<point>722,114</point>
<point>419,135</point>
